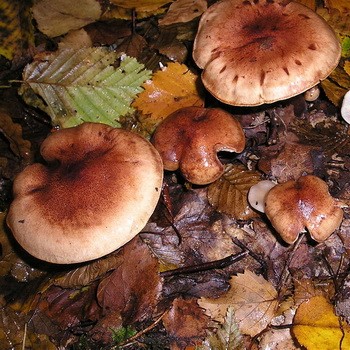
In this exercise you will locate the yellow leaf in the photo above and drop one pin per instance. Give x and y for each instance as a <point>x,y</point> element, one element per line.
<point>317,327</point>
<point>334,92</point>
<point>141,5</point>
<point>337,20</point>
<point>342,5</point>
<point>347,67</point>
<point>309,3</point>
<point>170,89</point>
<point>252,297</point>
<point>16,31</point>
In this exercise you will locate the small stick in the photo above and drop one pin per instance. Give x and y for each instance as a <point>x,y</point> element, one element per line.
<point>217,264</point>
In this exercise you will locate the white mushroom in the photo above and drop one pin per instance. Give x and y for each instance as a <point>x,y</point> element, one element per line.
<point>257,194</point>
<point>345,108</point>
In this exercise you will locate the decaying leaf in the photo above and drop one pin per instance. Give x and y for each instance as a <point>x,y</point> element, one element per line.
<point>226,336</point>
<point>16,33</point>
<point>133,288</point>
<point>83,85</point>
<point>183,11</point>
<point>58,17</point>
<point>186,323</point>
<point>229,193</point>
<point>317,327</point>
<point>252,297</point>
<point>171,88</point>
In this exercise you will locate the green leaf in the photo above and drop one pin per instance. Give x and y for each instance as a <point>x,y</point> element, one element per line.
<point>83,85</point>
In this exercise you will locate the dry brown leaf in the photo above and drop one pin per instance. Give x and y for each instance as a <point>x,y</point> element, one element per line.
<point>183,11</point>
<point>229,193</point>
<point>58,17</point>
<point>336,19</point>
<point>253,298</point>
<point>334,92</point>
<point>171,88</point>
<point>309,3</point>
<point>347,67</point>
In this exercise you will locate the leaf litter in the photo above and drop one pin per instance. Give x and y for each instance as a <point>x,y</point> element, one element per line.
<point>183,283</point>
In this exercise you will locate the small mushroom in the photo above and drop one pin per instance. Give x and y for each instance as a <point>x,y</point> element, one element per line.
<point>257,194</point>
<point>345,107</point>
<point>262,51</point>
<point>190,138</point>
<point>306,203</point>
<point>97,190</point>
<point>312,94</point>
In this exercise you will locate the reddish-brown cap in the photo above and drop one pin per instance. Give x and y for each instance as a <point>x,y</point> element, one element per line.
<point>98,189</point>
<point>261,51</point>
<point>190,138</point>
<point>306,203</point>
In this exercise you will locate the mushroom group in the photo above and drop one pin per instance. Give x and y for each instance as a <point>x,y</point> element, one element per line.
<point>97,190</point>
<point>261,51</point>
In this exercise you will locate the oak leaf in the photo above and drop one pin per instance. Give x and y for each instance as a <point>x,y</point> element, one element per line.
<point>316,326</point>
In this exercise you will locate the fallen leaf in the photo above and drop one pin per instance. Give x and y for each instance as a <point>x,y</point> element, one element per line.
<point>58,17</point>
<point>183,11</point>
<point>134,287</point>
<point>185,323</point>
<point>252,297</point>
<point>17,33</point>
<point>227,336</point>
<point>317,327</point>
<point>170,89</point>
<point>83,85</point>
<point>229,193</point>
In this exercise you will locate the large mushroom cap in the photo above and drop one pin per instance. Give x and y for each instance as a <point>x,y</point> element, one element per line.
<point>190,138</point>
<point>97,192</point>
<point>262,51</point>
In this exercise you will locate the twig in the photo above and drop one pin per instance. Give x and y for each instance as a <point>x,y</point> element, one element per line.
<point>217,264</point>
<point>134,338</point>
<point>24,337</point>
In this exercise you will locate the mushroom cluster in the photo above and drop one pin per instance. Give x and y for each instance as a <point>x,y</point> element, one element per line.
<point>98,189</point>
<point>293,206</point>
<point>261,51</point>
<point>190,138</point>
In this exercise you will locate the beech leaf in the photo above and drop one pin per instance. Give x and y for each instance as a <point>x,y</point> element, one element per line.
<point>83,85</point>
<point>252,297</point>
<point>229,193</point>
<point>316,326</point>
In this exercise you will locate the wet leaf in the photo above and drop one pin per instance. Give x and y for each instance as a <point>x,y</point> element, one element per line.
<point>186,322</point>
<point>226,336</point>
<point>58,17</point>
<point>317,327</point>
<point>253,298</point>
<point>81,86</point>
<point>171,88</point>
<point>133,288</point>
<point>229,193</point>
<point>16,34</point>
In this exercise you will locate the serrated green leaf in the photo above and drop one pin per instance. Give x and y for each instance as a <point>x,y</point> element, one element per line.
<point>229,193</point>
<point>83,85</point>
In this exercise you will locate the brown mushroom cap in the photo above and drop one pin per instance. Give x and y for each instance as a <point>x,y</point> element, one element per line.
<point>262,51</point>
<point>190,138</point>
<point>97,192</point>
<point>294,205</point>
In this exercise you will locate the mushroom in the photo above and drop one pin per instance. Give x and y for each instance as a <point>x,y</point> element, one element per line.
<point>305,203</point>
<point>97,190</point>
<point>261,51</point>
<point>257,194</point>
<point>345,107</point>
<point>190,138</point>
